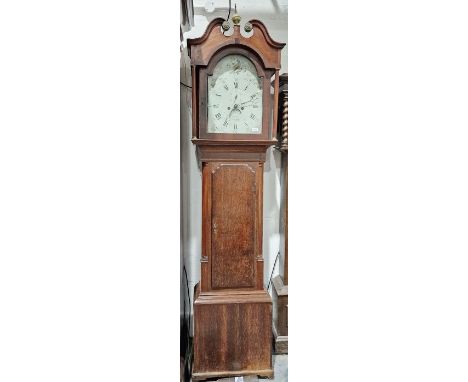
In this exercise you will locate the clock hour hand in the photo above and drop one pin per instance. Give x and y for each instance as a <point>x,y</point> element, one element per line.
<point>236,107</point>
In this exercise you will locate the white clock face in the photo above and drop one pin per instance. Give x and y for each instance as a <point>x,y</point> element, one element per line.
<point>235,97</point>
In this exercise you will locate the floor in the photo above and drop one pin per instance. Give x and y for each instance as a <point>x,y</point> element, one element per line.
<point>280,364</point>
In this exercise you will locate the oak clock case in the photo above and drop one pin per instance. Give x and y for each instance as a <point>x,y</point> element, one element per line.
<point>232,119</point>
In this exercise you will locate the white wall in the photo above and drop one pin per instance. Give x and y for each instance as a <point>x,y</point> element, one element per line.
<point>274,15</point>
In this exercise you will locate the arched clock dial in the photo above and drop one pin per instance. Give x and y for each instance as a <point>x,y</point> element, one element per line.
<point>235,97</point>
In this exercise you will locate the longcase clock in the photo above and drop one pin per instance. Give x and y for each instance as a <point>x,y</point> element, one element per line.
<point>234,110</point>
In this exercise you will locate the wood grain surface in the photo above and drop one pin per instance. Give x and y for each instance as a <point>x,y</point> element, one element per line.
<point>231,338</point>
<point>233,225</point>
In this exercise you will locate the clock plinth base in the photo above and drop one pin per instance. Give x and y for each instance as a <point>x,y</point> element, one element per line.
<point>232,334</point>
<point>281,342</point>
<point>280,315</point>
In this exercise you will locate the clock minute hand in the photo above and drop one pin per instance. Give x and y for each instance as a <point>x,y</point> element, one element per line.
<point>247,101</point>
<point>250,100</point>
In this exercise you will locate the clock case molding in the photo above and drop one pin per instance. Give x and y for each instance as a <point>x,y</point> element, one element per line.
<point>206,51</point>
<point>232,310</point>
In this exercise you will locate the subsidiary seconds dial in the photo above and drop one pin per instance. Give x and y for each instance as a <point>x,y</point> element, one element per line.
<point>235,97</point>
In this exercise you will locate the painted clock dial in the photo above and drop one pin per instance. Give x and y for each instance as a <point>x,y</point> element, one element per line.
<point>235,97</point>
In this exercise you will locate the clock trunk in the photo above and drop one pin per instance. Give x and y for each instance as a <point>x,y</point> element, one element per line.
<point>233,220</point>
<point>232,196</point>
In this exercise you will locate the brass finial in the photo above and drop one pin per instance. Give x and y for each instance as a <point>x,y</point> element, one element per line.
<point>236,18</point>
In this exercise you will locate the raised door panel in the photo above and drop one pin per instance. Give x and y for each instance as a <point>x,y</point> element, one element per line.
<point>233,222</point>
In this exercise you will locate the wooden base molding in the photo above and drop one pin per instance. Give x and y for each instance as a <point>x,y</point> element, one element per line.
<point>261,373</point>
